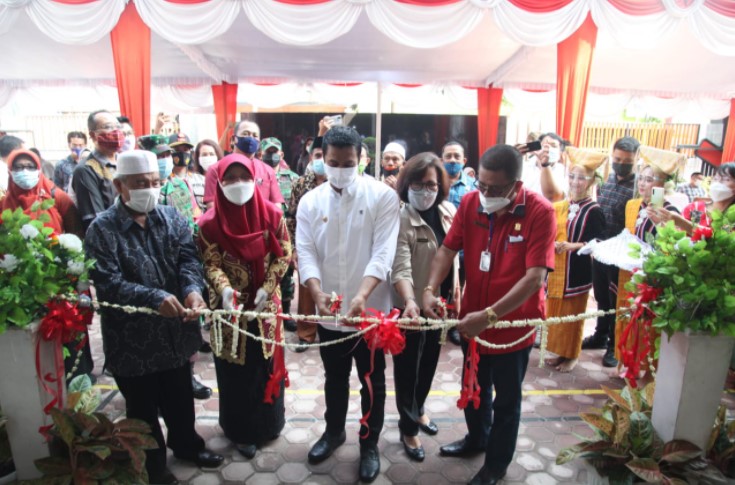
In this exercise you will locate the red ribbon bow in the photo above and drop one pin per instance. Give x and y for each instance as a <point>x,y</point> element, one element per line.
<point>336,304</point>
<point>635,342</point>
<point>273,386</point>
<point>470,385</point>
<point>702,232</point>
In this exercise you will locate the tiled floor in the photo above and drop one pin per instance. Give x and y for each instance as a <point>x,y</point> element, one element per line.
<point>551,405</point>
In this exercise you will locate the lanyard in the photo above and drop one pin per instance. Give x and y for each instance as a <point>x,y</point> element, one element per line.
<point>490,233</point>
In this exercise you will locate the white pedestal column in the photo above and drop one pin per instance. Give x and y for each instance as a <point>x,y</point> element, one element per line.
<point>691,374</point>
<point>22,397</point>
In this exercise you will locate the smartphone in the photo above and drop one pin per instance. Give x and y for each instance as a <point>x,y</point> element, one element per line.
<point>657,198</point>
<point>533,146</point>
<point>337,120</point>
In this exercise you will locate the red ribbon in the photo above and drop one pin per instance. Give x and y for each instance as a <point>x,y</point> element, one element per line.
<point>387,337</point>
<point>273,386</point>
<point>470,385</point>
<point>635,342</point>
<point>702,232</point>
<point>336,305</point>
<point>61,324</point>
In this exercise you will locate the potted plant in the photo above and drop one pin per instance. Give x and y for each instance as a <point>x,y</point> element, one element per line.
<point>625,449</point>
<point>686,289</point>
<point>37,269</point>
<point>88,448</point>
<point>7,468</point>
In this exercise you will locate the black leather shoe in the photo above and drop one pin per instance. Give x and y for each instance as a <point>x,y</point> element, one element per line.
<point>484,477</point>
<point>205,348</point>
<point>454,336</point>
<point>460,448</point>
<point>289,325</point>
<point>609,360</point>
<point>429,428</point>
<point>302,346</point>
<point>165,478</point>
<point>594,342</point>
<point>248,451</point>
<point>416,454</point>
<point>204,459</point>
<point>369,463</point>
<point>200,390</point>
<point>324,448</point>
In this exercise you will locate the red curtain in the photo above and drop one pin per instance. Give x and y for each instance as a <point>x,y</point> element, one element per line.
<point>488,116</point>
<point>728,147</point>
<point>225,105</point>
<point>573,63</point>
<point>131,51</point>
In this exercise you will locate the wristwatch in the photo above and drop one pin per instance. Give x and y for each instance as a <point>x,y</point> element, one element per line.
<point>547,164</point>
<point>430,289</point>
<point>492,317</point>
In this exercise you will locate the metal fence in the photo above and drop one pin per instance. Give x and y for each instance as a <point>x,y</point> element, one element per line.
<point>666,136</point>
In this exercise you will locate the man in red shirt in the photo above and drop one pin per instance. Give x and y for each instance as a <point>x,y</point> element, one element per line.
<point>507,234</point>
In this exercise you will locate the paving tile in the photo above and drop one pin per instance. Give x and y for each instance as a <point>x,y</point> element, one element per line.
<point>540,479</point>
<point>401,473</point>
<point>530,461</point>
<point>207,479</point>
<point>345,472</point>
<point>266,461</point>
<point>263,479</point>
<point>293,472</point>
<point>237,472</point>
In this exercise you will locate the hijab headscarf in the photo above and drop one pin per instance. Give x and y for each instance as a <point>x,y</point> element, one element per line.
<point>18,197</point>
<point>247,232</point>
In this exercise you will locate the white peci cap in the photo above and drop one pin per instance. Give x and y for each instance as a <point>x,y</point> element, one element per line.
<point>134,162</point>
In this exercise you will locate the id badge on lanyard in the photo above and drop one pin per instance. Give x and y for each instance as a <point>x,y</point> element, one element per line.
<point>486,257</point>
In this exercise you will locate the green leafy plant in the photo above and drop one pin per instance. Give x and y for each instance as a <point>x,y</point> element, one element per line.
<point>626,449</point>
<point>89,449</point>
<point>36,265</point>
<point>694,276</point>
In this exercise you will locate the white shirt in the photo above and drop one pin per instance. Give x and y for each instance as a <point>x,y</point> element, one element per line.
<point>532,176</point>
<point>342,238</point>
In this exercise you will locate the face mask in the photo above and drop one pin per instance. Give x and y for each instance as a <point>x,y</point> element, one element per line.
<point>182,159</point>
<point>341,178</point>
<point>361,168</point>
<point>26,179</point>
<point>622,170</point>
<point>317,165</point>
<point>143,200</point>
<point>421,199</point>
<point>247,144</point>
<point>717,191</point>
<point>111,141</point>
<point>554,154</point>
<point>272,159</point>
<point>491,205</point>
<point>165,166</point>
<point>76,152</point>
<point>128,143</point>
<point>452,168</point>
<point>207,161</point>
<point>239,193</point>
<point>388,173</point>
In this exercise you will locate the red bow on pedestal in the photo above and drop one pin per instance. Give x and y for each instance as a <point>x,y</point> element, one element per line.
<point>702,232</point>
<point>635,344</point>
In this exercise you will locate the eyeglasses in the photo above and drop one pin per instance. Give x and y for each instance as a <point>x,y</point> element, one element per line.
<point>581,178</point>
<point>110,127</point>
<point>492,190</point>
<point>649,180</point>
<point>724,179</point>
<point>430,186</point>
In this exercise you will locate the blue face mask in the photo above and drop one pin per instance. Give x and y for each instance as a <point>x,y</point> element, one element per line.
<point>247,144</point>
<point>317,165</point>
<point>452,168</point>
<point>165,166</point>
<point>77,151</point>
<point>26,179</point>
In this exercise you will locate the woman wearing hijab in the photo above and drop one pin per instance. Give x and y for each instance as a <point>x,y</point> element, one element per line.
<point>579,220</point>
<point>246,251</point>
<point>28,185</point>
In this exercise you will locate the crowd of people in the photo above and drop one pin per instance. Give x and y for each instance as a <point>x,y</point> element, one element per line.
<point>179,228</point>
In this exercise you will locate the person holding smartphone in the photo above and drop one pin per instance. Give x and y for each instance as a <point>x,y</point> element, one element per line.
<point>641,217</point>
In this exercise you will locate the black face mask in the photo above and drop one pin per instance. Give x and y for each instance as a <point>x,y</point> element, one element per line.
<point>622,170</point>
<point>388,173</point>
<point>181,159</point>
<point>272,159</point>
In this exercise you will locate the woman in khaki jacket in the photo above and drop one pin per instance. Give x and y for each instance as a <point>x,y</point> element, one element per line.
<point>425,219</point>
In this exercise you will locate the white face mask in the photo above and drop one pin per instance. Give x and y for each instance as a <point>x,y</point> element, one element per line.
<point>26,179</point>
<point>554,154</point>
<point>143,200</point>
<point>239,193</point>
<point>207,161</point>
<point>491,205</point>
<point>719,192</point>
<point>421,199</point>
<point>129,143</point>
<point>341,178</point>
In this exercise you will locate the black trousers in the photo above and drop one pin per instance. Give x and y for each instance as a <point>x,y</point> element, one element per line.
<point>494,426</point>
<point>605,284</point>
<point>413,372</point>
<point>337,360</point>
<point>170,393</point>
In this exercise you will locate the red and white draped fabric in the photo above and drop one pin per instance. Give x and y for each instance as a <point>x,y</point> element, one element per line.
<point>416,23</point>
